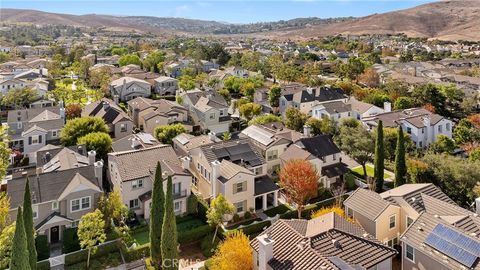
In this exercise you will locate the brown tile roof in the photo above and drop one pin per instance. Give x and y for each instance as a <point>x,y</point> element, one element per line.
<point>414,116</point>
<point>366,202</point>
<point>352,245</point>
<point>141,163</point>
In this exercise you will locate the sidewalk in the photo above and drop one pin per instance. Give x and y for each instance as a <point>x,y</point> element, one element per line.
<point>194,266</point>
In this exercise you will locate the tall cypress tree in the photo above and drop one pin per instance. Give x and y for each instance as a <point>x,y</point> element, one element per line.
<point>19,259</point>
<point>28,223</point>
<point>400,162</point>
<point>169,229</point>
<point>379,158</point>
<point>156,217</point>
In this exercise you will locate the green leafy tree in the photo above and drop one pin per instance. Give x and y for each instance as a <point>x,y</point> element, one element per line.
<point>379,164</point>
<point>186,82</point>
<point>4,57</point>
<point>79,127</point>
<point>20,257</point>
<point>156,216</point>
<point>295,119</point>
<point>465,132</point>
<point>443,144</point>
<point>19,98</point>
<point>129,59</point>
<point>112,208</point>
<point>152,61</point>
<point>326,126</point>
<point>166,133</point>
<point>473,155</point>
<point>4,209</point>
<point>250,110</point>
<point>226,136</point>
<point>219,208</point>
<point>28,224</point>
<point>169,231</point>
<point>354,67</point>
<point>99,141</point>
<point>225,94</point>
<point>265,119</point>
<point>6,236</point>
<point>4,153</point>
<point>91,232</point>
<point>400,161</point>
<point>357,142</point>
<point>274,96</point>
<point>118,51</point>
<point>430,94</point>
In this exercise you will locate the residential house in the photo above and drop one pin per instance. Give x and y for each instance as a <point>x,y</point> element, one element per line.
<point>147,114</point>
<point>322,153</point>
<point>64,189</point>
<point>443,237</point>
<point>183,143</point>
<point>423,126</point>
<point>325,242</point>
<point>208,110</point>
<point>304,99</point>
<point>6,85</point>
<point>272,139</point>
<point>139,140</point>
<point>165,86</point>
<point>128,88</point>
<point>132,173</point>
<point>31,129</point>
<point>118,121</point>
<point>363,109</point>
<point>387,215</point>
<point>234,169</point>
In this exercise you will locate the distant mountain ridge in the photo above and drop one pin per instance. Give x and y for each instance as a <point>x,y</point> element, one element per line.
<point>448,20</point>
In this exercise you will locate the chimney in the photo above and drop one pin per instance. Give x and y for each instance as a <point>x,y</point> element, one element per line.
<point>387,106</point>
<point>91,157</point>
<point>39,170</point>
<point>215,174</point>
<point>186,162</point>
<point>105,105</point>
<point>307,130</point>
<point>80,150</point>
<point>48,157</point>
<point>135,142</point>
<point>477,205</point>
<point>429,138</point>
<point>309,90</point>
<point>265,251</point>
<point>98,167</point>
<point>115,99</point>
<point>212,136</point>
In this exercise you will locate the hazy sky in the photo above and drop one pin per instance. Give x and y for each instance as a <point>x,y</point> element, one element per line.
<point>234,11</point>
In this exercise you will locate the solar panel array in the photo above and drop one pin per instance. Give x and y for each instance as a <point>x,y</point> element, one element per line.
<point>454,244</point>
<point>258,134</point>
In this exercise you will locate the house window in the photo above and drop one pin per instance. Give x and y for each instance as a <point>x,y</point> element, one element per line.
<point>80,204</point>
<point>258,170</point>
<point>410,253</point>
<point>334,157</point>
<point>409,130</point>
<point>392,222</point>
<point>440,127</point>
<point>392,242</point>
<point>409,221</point>
<point>75,223</point>
<point>19,124</point>
<point>350,212</point>
<point>123,127</point>
<point>423,130</point>
<point>134,204</point>
<point>420,144</point>
<point>35,139</point>
<point>177,188</point>
<point>447,126</point>
<point>55,205</point>
<point>178,206</point>
<point>239,187</point>
<point>137,183</point>
<point>272,154</point>
<point>54,133</point>
<point>240,206</point>
<point>212,116</point>
<point>35,211</point>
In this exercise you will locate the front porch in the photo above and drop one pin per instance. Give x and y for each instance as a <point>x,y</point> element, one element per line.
<point>266,193</point>
<point>53,227</point>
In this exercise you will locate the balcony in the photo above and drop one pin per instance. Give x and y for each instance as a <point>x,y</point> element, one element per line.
<point>181,194</point>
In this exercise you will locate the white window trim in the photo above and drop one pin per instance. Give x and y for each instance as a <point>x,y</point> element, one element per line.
<point>395,216</point>
<point>80,204</point>
<point>55,208</point>
<point>406,221</point>
<point>413,253</point>
<point>35,210</point>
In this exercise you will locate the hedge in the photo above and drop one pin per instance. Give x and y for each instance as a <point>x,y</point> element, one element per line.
<point>136,253</point>
<point>194,234</point>
<point>280,209</point>
<point>70,240</point>
<point>243,222</point>
<point>253,228</point>
<point>81,255</point>
<point>202,209</point>
<point>42,246</point>
<point>43,265</point>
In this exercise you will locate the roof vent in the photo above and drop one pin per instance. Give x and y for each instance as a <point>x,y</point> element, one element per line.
<point>413,199</point>
<point>436,216</point>
<point>365,235</point>
<point>336,244</point>
<point>420,229</point>
<point>473,234</point>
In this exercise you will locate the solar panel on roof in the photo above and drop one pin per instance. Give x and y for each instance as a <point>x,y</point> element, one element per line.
<point>182,139</point>
<point>147,138</point>
<point>455,245</point>
<point>238,149</point>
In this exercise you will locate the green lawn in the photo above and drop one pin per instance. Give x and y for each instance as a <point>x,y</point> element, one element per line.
<point>280,209</point>
<point>359,171</point>
<point>142,237</point>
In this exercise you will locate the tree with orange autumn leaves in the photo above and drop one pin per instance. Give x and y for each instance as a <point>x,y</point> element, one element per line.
<point>234,253</point>
<point>299,180</point>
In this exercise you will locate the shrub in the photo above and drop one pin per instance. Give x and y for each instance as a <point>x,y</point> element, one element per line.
<point>194,234</point>
<point>192,204</point>
<point>236,218</point>
<point>255,228</point>
<point>70,240</point>
<point>43,265</point>
<point>184,218</point>
<point>81,255</point>
<point>208,248</point>
<point>202,209</point>
<point>248,215</point>
<point>43,248</point>
<point>280,209</point>
<point>137,253</point>
<point>350,182</point>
